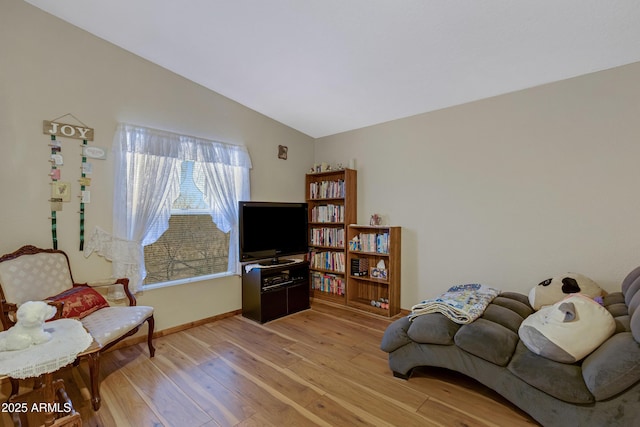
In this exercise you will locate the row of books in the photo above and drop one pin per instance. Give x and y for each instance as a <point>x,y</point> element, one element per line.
<point>327,213</point>
<point>326,189</point>
<point>372,242</point>
<point>333,261</point>
<point>333,237</point>
<point>327,283</point>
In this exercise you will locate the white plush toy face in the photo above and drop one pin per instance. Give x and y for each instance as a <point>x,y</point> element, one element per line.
<point>33,313</point>
<point>552,290</point>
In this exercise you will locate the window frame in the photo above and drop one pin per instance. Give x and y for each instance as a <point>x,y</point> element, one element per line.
<point>226,167</point>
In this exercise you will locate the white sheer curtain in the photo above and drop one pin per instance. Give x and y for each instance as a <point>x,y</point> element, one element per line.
<point>147,181</point>
<point>224,186</point>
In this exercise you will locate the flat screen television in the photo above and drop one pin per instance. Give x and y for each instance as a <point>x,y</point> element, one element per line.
<point>269,230</point>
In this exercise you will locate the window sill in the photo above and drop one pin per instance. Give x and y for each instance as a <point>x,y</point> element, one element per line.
<point>185,281</point>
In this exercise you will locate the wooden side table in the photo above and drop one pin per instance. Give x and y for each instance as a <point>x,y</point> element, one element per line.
<point>48,398</point>
<point>42,405</point>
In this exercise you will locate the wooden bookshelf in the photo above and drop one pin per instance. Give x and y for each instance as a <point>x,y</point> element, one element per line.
<point>332,199</point>
<point>375,244</point>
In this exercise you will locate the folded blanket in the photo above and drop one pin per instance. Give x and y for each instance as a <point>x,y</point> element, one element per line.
<point>462,303</point>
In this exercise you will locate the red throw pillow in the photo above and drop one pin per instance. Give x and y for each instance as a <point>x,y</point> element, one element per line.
<point>80,301</point>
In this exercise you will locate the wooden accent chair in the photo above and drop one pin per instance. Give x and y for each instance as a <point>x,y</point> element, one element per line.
<point>35,274</point>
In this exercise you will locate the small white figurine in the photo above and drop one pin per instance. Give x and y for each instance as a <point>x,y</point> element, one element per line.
<point>29,329</point>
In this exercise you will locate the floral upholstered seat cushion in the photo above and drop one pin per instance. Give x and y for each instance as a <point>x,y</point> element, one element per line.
<point>108,324</point>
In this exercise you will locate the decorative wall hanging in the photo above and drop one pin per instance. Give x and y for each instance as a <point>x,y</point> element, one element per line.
<point>67,130</point>
<point>61,191</point>
<point>56,202</point>
<point>83,200</point>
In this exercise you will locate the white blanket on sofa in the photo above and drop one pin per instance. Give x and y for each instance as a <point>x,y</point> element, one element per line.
<point>462,303</point>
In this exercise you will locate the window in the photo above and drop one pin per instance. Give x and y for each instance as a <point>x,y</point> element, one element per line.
<point>192,246</point>
<point>175,205</point>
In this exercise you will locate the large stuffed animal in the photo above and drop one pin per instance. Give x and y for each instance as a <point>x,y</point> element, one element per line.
<point>29,329</point>
<point>568,330</point>
<point>552,290</point>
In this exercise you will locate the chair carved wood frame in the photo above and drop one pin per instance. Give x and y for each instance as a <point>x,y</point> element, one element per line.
<point>34,274</point>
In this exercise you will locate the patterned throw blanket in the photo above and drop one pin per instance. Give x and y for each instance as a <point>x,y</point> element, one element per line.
<point>462,304</point>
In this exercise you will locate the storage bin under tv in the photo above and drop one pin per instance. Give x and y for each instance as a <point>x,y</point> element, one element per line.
<point>273,291</point>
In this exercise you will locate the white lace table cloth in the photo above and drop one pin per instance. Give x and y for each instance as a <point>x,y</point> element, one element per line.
<point>68,338</point>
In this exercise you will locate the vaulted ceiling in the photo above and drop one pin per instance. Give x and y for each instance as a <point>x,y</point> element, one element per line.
<point>328,66</point>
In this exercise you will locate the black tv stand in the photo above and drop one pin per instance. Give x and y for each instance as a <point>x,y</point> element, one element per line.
<point>275,290</point>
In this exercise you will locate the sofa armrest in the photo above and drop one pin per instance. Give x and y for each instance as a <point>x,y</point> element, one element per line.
<point>613,367</point>
<point>113,282</point>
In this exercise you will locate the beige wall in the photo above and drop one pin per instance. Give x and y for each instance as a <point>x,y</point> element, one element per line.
<point>49,68</point>
<point>504,191</point>
<point>509,190</point>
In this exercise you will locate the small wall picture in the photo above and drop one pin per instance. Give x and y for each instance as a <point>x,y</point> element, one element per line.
<point>94,152</point>
<point>282,152</point>
<point>61,191</point>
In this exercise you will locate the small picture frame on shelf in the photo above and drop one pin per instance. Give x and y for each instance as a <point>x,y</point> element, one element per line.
<point>379,273</point>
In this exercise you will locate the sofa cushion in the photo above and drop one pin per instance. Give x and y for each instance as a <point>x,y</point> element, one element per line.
<point>613,367</point>
<point>433,328</point>
<point>568,330</point>
<point>622,324</point>
<point>616,310</point>
<point>519,307</point>
<point>613,298</point>
<point>79,301</point>
<point>560,380</point>
<point>487,340</point>
<point>516,296</point>
<point>395,336</point>
<point>503,316</point>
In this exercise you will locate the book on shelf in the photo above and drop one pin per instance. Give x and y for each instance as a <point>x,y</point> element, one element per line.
<point>327,260</point>
<point>374,242</point>
<point>359,266</point>
<point>382,243</point>
<point>327,213</point>
<point>327,236</point>
<point>329,283</point>
<point>326,189</point>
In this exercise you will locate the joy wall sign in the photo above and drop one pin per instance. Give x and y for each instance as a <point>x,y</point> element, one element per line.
<point>66,130</point>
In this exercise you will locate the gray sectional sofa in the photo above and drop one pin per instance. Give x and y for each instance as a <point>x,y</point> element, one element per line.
<point>603,389</point>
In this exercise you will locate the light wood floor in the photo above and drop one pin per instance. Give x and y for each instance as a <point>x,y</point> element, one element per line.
<point>319,367</point>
